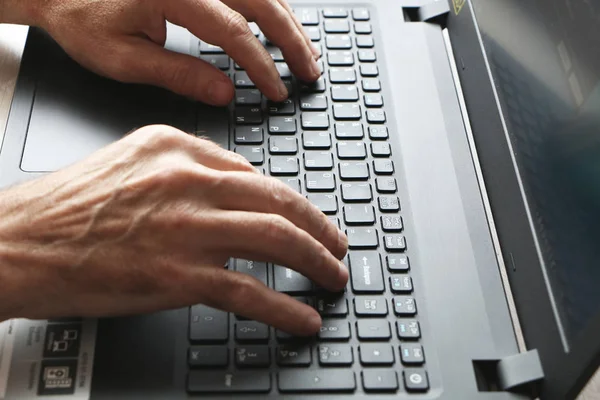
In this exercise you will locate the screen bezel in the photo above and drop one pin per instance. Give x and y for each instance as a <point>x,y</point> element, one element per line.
<point>565,372</point>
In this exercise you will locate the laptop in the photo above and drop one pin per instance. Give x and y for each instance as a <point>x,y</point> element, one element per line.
<point>455,142</point>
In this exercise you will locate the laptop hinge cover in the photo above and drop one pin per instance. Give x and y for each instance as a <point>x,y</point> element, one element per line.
<point>434,11</point>
<point>519,370</point>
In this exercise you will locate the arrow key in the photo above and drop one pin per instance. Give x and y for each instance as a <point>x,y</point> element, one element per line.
<point>251,331</point>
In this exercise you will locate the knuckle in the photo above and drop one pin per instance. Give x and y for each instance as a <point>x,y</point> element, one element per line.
<point>281,197</point>
<point>237,25</point>
<point>177,76</point>
<point>242,288</point>
<point>277,229</point>
<point>159,137</point>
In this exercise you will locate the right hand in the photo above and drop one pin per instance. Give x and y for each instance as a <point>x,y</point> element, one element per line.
<point>147,224</point>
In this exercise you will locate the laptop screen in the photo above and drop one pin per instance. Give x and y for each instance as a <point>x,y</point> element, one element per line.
<point>545,59</point>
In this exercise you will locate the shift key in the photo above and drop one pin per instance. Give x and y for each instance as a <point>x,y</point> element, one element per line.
<point>366,272</point>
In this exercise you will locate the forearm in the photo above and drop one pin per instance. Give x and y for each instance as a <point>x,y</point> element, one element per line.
<point>21,12</point>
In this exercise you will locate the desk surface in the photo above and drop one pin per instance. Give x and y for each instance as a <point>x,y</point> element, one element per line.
<point>12,41</point>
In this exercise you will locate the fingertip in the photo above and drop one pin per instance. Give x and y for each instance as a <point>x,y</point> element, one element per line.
<point>313,323</point>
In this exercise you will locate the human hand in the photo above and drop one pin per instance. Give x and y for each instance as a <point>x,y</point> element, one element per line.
<point>147,224</point>
<point>124,40</point>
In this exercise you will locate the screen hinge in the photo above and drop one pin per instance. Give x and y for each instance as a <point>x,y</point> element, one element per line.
<point>517,373</point>
<point>435,11</point>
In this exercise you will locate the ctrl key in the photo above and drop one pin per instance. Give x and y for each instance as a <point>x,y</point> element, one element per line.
<point>415,380</point>
<point>229,382</point>
<point>330,380</point>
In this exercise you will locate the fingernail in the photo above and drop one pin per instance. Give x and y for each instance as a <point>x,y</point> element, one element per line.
<point>344,274</point>
<point>316,52</point>
<point>316,70</point>
<point>283,92</point>
<point>315,322</point>
<point>219,92</point>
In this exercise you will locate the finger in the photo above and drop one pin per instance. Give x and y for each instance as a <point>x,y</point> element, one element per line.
<point>316,53</point>
<point>273,238</point>
<point>211,155</point>
<point>218,24</point>
<point>256,193</point>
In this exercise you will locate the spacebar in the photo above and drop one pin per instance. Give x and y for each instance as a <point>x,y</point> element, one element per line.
<point>329,380</point>
<point>229,382</point>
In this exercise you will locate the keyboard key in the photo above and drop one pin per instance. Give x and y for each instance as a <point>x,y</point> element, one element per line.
<point>335,221</point>
<point>359,215</point>
<point>314,33</point>
<point>366,272</point>
<point>367,56</point>
<point>254,155</point>
<point>314,160</point>
<point>362,238</point>
<point>379,380</point>
<point>251,331</point>
<point>327,203</point>
<point>398,263</point>
<point>330,380</point>
<point>401,284</point>
<point>307,16</point>
<point>286,107</point>
<point>248,135</point>
<point>242,80</point>
<point>336,26</point>
<point>340,58</point>
<point>293,183</point>
<point>229,382</point>
<point>344,93</point>
<point>207,48</point>
<point>354,170</point>
<point>294,355</point>
<point>360,14</point>
<point>252,356</point>
<point>408,329</point>
<point>415,380</point>
<point>313,102</point>
<point>381,149</point>
<point>315,120</point>
<point>373,100</point>
<point>248,115</point>
<point>248,97</point>
<point>316,140</point>
<point>376,354</point>
<point>388,203</point>
<point>332,306</point>
<point>364,42</point>
<point>335,354</point>
<point>369,70</point>
<point>404,306</point>
<point>373,329</point>
<point>338,42</point>
<point>349,130</point>
<point>370,306</point>
<point>282,165</point>
<point>282,125</point>
<point>376,116</point>
<point>334,329</point>
<point>256,269</point>
<point>351,150</point>
<point>313,87</point>
<point>394,242</point>
<point>254,29</point>
<point>391,223</point>
<point>383,167</point>
<point>342,75</point>
<point>208,324</point>
<point>291,282</point>
<point>363,28</point>
<point>378,132</point>
<point>208,356</point>
<point>275,53</point>
<point>412,353</point>
<point>335,12</point>
<point>283,145</point>
<point>320,181</point>
<point>386,185</point>
<point>357,192</point>
<point>371,85</point>
<point>346,111</point>
<point>220,61</point>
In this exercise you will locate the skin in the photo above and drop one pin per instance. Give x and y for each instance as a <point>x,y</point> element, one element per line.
<point>147,223</point>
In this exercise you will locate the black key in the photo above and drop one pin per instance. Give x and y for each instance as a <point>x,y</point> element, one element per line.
<point>401,284</point>
<point>242,80</point>
<point>313,102</point>
<point>346,111</point>
<point>340,58</point>
<point>282,125</point>
<point>364,42</point>
<point>394,242</point>
<point>293,183</point>
<point>289,281</point>
<point>275,53</point>
<point>378,132</point>
<point>334,329</point>
<point>248,115</point>
<point>251,331</point>
<point>220,61</point>
<point>314,87</point>
<point>336,26</point>
<point>332,306</point>
<point>283,145</point>
<point>344,93</point>
<point>359,214</point>
<point>404,306</point>
<point>386,185</point>
<point>391,223</point>
<point>314,160</point>
<point>320,181</point>
<point>351,150</point>
<point>248,135</point>
<point>362,238</point>
<point>335,354</point>
<point>376,354</point>
<point>363,28</point>
<point>229,382</point>
<point>415,380</point>
<point>349,130</point>
<point>338,42</point>
<point>208,356</point>
<point>335,12</point>
<point>315,120</point>
<point>366,272</point>
<point>249,97</point>
<point>373,329</point>
<point>367,56</point>
<point>307,16</point>
<point>353,170</point>
<point>373,100</point>
<point>327,203</point>
<point>383,167</point>
<point>256,269</point>
<point>254,155</point>
<point>286,107</point>
<point>381,149</point>
<point>206,48</point>
<point>252,356</point>
<point>282,165</point>
<point>208,324</point>
<point>370,306</point>
<point>342,75</point>
<point>360,14</point>
<point>284,70</point>
<point>398,263</point>
<point>293,355</point>
<point>314,33</point>
<point>316,140</point>
<point>331,380</point>
<point>380,380</point>
<point>412,353</point>
<point>375,116</point>
<point>357,192</point>
<point>408,329</point>
<point>389,203</point>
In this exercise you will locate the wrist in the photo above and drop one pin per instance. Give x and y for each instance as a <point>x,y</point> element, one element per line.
<point>22,12</point>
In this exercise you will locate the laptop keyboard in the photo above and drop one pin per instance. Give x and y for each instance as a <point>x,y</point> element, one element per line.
<point>329,141</point>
